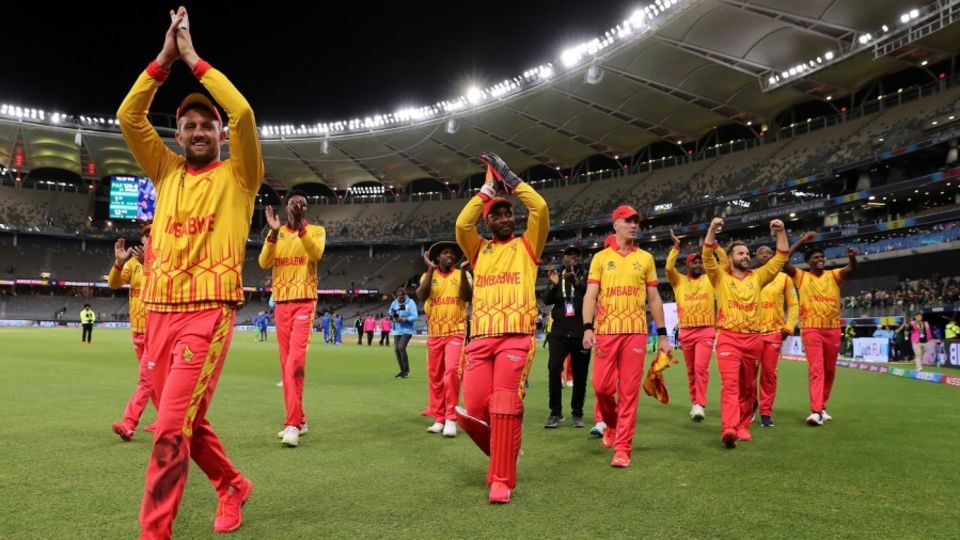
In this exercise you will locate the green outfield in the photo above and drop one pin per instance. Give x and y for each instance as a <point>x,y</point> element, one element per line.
<point>884,468</point>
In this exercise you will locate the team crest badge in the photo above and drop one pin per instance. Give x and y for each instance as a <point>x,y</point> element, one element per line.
<point>636,267</point>
<point>187,354</point>
<point>611,266</point>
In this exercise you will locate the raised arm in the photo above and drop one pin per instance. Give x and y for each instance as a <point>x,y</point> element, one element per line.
<point>468,238</point>
<point>671,267</point>
<point>426,280</point>
<point>269,249</point>
<point>851,266</point>
<point>314,241</point>
<point>713,269</point>
<point>119,273</point>
<point>245,154</point>
<point>766,273</point>
<point>538,221</point>
<point>806,238</point>
<point>143,140</point>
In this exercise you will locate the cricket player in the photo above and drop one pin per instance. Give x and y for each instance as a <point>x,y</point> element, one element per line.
<point>194,264</point>
<point>621,284</point>
<point>292,251</point>
<point>503,323</point>
<point>695,311</point>
<point>820,324</point>
<point>325,327</point>
<point>127,269</point>
<point>444,290</point>
<point>777,297</point>
<point>739,343</point>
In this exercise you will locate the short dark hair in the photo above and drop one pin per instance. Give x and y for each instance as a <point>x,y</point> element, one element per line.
<point>86,305</point>
<point>737,243</point>
<point>297,193</point>
<point>811,252</point>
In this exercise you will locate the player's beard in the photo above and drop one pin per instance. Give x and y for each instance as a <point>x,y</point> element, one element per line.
<point>201,158</point>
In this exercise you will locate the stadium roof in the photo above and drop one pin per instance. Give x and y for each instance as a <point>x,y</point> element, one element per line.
<point>700,64</point>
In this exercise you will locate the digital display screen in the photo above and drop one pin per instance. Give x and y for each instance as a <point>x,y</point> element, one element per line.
<point>132,197</point>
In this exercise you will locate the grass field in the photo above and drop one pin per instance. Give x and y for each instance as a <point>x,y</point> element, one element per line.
<point>885,468</point>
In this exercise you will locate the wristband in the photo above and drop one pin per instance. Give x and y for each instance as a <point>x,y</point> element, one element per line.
<point>661,331</point>
<point>588,326</point>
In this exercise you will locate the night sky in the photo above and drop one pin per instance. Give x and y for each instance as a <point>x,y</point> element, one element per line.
<point>328,61</point>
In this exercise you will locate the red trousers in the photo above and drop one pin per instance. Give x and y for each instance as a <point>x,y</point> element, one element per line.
<point>144,390</point>
<point>496,369</point>
<point>821,347</point>
<point>443,362</point>
<point>294,326</point>
<point>768,372</point>
<point>567,369</point>
<point>738,356</point>
<point>697,345</point>
<point>617,374</point>
<point>188,350</point>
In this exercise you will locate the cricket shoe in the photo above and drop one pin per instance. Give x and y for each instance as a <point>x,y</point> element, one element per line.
<point>123,431</point>
<point>229,515</point>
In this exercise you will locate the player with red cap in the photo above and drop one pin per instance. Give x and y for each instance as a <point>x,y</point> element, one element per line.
<point>621,284</point>
<point>194,267</point>
<point>695,311</point>
<point>503,324</point>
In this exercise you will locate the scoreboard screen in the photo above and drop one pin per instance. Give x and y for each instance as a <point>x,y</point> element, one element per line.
<point>132,197</point>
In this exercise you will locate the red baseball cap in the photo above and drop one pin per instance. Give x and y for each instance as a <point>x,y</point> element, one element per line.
<point>201,100</point>
<point>692,257</point>
<point>493,203</point>
<point>624,212</point>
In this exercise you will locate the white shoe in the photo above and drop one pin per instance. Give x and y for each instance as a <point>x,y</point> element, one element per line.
<point>303,430</point>
<point>815,419</point>
<point>449,428</point>
<point>437,427</point>
<point>291,436</point>
<point>569,384</point>
<point>697,413</point>
<point>826,417</point>
<point>280,384</point>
